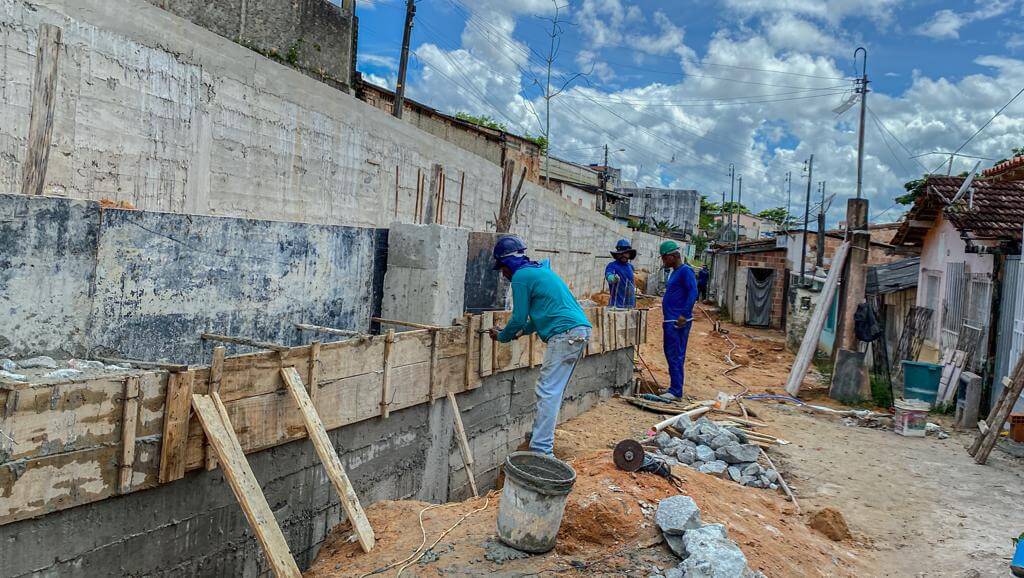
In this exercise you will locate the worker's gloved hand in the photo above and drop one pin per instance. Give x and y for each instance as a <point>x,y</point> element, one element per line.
<point>493,332</point>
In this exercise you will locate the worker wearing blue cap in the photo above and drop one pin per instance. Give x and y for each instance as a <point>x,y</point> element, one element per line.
<point>620,277</point>
<point>542,304</point>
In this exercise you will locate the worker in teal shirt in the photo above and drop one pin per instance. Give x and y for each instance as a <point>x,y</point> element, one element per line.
<point>677,308</point>
<point>620,277</point>
<point>542,304</point>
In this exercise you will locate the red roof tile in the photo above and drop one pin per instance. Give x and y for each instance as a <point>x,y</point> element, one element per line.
<point>990,210</point>
<point>1005,166</point>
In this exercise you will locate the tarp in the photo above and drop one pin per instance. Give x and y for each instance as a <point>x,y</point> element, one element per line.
<point>760,283</point>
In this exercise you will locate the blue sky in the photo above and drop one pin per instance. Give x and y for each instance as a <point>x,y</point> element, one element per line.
<point>688,87</point>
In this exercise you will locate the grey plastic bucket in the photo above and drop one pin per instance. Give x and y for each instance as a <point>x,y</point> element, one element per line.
<point>533,500</point>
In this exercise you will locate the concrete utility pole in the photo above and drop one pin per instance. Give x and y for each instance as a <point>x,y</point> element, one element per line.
<point>862,89</point>
<point>789,195</point>
<point>819,260</point>
<point>732,194</point>
<point>739,201</point>
<point>807,217</point>
<point>604,178</point>
<point>410,12</point>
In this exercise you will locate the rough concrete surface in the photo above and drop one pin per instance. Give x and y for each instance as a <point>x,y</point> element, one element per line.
<point>426,273</point>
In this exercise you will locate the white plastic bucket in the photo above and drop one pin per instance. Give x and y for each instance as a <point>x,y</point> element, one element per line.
<point>533,500</point>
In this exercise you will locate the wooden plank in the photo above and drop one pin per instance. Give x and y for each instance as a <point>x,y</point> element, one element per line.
<point>245,487</point>
<point>129,425</point>
<point>385,396</point>
<point>216,376</point>
<point>467,320</point>
<point>817,322</point>
<point>412,324</point>
<point>486,344</point>
<point>314,370</point>
<point>244,341</point>
<point>176,416</point>
<point>467,452</point>
<point>144,364</point>
<point>327,330</point>
<point>40,123</point>
<point>329,457</point>
<point>435,381</point>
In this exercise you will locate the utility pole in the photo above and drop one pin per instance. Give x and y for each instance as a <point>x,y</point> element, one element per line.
<point>732,195</point>
<point>739,201</point>
<point>410,12</point>
<point>862,89</point>
<point>807,215</point>
<point>604,178</point>
<point>789,195</point>
<point>819,260</point>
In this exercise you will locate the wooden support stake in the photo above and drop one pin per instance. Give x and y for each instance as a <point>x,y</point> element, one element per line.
<point>129,422</point>
<point>244,341</point>
<point>470,334</point>
<point>992,412</point>
<point>40,123</point>
<point>176,415</point>
<point>462,190</point>
<point>385,390</point>
<point>435,381</point>
<point>329,457</point>
<point>533,347</point>
<point>245,487</point>
<point>467,453</point>
<point>487,345</point>
<point>314,370</point>
<point>327,330</point>
<point>383,321</point>
<point>216,375</point>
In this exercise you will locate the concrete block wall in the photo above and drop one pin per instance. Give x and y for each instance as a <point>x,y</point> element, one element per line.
<point>426,274</point>
<point>163,114</point>
<point>79,279</point>
<point>764,260</point>
<point>194,526</point>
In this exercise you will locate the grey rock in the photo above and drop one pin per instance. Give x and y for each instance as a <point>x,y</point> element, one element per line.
<point>738,454</point>
<point>704,439</point>
<point>752,469</point>
<point>713,556</point>
<point>773,486</point>
<point>675,543</point>
<point>674,573</point>
<point>8,365</point>
<point>683,423</point>
<point>66,373</point>
<point>683,442</point>
<point>721,440</point>
<point>662,440</point>
<point>686,455</point>
<point>748,573</point>
<point>735,473</point>
<point>704,453</point>
<point>43,361</point>
<point>716,467</point>
<point>707,426</point>
<point>741,436</point>
<point>4,374</point>
<point>772,475</point>
<point>677,514</point>
<point>697,464</point>
<point>692,433</point>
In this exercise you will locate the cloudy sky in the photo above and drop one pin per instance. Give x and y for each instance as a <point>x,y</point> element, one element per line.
<point>686,88</point>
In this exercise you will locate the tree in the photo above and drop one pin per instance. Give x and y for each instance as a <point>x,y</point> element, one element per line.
<point>665,227</point>
<point>913,189</point>
<point>729,208</point>
<point>482,120</point>
<point>778,215</point>
<point>708,212</point>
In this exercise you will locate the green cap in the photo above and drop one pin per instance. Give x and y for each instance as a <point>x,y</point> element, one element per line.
<point>668,247</point>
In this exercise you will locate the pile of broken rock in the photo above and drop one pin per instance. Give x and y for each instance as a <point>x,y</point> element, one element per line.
<point>705,549</point>
<point>712,449</point>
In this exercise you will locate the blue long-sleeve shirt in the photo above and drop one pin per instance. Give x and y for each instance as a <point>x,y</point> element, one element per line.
<point>622,292</point>
<point>702,277</point>
<point>680,294</point>
<point>541,303</point>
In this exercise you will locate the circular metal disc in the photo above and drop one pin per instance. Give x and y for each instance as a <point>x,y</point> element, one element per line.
<point>628,455</point>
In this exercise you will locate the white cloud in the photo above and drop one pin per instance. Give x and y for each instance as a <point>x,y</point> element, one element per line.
<point>388,62</point>
<point>946,24</point>
<point>833,11</point>
<point>789,32</point>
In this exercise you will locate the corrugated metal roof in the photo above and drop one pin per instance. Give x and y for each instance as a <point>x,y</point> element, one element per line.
<point>893,277</point>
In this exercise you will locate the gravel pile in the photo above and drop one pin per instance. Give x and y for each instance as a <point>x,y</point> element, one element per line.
<point>705,549</point>
<point>716,450</point>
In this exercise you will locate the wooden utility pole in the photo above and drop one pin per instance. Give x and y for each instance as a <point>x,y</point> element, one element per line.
<point>410,12</point>
<point>40,123</point>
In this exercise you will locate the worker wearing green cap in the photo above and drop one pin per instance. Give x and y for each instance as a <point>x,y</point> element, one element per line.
<point>677,307</point>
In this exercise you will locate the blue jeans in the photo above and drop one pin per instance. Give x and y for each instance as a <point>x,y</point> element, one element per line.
<point>675,354</point>
<point>563,353</point>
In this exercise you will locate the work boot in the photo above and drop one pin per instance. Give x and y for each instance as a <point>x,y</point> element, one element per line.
<point>668,396</point>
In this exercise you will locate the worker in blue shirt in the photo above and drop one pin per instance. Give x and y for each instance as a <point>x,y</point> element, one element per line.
<point>542,304</point>
<point>677,308</point>
<point>620,278</point>
<point>702,282</point>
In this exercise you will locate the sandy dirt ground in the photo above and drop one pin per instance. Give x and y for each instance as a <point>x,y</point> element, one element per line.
<point>915,507</point>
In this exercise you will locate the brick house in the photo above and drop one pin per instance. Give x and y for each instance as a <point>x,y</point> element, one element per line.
<point>749,282</point>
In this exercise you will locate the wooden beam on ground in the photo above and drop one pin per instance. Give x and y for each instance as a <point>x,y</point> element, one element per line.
<point>813,332</point>
<point>467,453</point>
<point>990,437</point>
<point>245,487</point>
<point>992,412</point>
<point>216,375</point>
<point>385,390</point>
<point>782,482</point>
<point>329,457</point>
<point>176,367</point>
<point>176,414</point>
<point>40,122</point>
<point>129,424</point>
<point>244,341</point>
<point>327,330</point>
<point>405,323</point>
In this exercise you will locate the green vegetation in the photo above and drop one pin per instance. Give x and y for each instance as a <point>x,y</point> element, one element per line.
<point>730,207</point>
<point>488,122</point>
<point>778,215</point>
<point>880,391</point>
<point>638,225</point>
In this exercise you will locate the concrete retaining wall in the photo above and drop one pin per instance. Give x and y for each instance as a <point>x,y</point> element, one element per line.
<point>77,278</point>
<point>158,112</point>
<point>195,527</point>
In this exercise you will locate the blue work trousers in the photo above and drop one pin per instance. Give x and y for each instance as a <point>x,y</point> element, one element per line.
<point>675,354</point>
<point>564,351</point>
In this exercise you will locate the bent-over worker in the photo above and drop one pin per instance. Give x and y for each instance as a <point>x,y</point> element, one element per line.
<point>677,307</point>
<point>620,277</point>
<point>542,303</point>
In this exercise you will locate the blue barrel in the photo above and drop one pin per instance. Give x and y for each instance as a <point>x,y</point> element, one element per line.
<point>921,381</point>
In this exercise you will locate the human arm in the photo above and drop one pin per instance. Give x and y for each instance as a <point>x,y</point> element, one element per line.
<point>520,322</point>
<point>688,283</point>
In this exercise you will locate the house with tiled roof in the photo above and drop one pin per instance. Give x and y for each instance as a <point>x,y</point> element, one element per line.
<point>1009,170</point>
<point>969,242</point>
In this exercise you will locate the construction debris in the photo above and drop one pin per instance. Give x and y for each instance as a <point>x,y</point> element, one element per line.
<point>705,550</point>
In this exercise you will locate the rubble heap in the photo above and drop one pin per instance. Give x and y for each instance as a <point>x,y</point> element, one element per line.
<point>705,549</point>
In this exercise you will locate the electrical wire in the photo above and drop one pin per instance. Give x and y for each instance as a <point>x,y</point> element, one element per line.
<point>983,127</point>
<point>898,141</point>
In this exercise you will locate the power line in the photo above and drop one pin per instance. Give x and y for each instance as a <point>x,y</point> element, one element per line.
<point>983,127</point>
<point>723,103</point>
<point>910,155</point>
<point>888,146</point>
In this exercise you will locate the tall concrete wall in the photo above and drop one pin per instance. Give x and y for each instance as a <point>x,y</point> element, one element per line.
<point>426,274</point>
<point>158,112</point>
<point>194,526</point>
<point>78,278</point>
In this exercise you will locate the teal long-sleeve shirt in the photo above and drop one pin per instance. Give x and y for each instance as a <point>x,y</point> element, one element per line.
<point>541,303</point>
